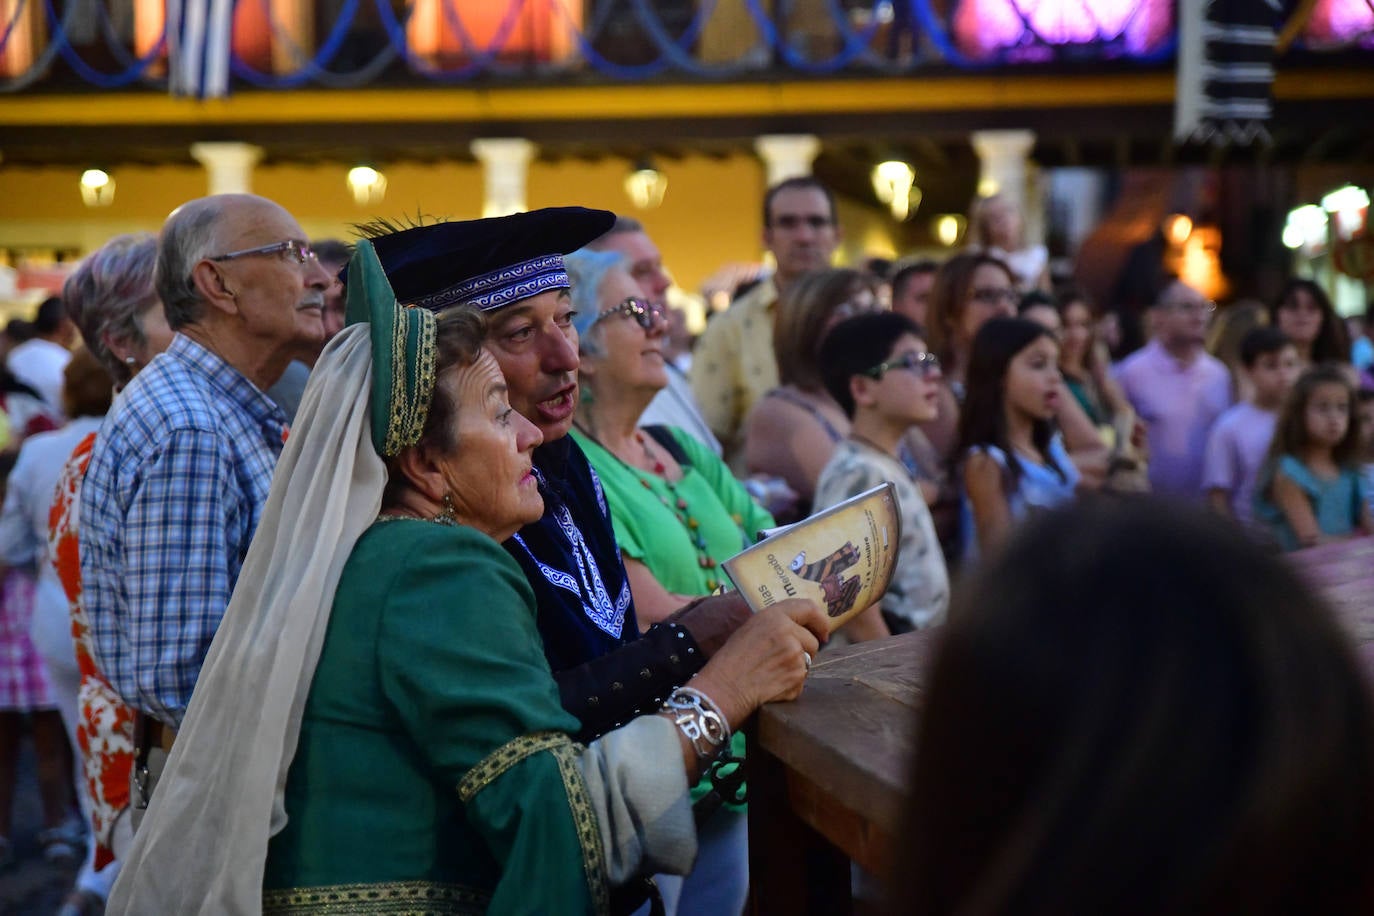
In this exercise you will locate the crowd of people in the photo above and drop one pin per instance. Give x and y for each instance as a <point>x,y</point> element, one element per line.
<point>388,576</point>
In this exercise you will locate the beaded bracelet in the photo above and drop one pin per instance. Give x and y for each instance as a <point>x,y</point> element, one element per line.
<point>698,718</point>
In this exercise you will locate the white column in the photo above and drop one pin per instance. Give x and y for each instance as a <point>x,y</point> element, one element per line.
<point>1002,157</point>
<point>787,155</point>
<point>505,165</point>
<point>228,166</point>
<point>1076,197</point>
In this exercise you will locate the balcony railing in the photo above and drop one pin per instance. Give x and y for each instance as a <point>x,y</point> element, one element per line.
<point>277,44</point>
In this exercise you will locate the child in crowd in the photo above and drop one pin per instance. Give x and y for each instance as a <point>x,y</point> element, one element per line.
<point>1366,409</point>
<point>877,368</point>
<point>1239,441</point>
<point>1310,490</point>
<point>1014,460</point>
<point>26,694</point>
<point>1040,307</point>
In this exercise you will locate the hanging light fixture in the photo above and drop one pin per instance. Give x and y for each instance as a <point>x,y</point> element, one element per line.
<point>1177,228</point>
<point>97,188</point>
<point>948,227</point>
<point>894,182</point>
<point>367,184</point>
<point>646,185</point>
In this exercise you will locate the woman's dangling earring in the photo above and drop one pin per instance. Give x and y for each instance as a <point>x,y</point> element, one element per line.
<point>448,516</point>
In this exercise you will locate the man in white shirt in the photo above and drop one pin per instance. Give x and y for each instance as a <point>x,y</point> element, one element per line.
<point>39,362</point>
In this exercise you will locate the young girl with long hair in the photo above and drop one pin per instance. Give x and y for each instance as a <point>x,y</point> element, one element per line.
<point>1014,459</point>
<point>1304,312</point>
<point>1310,489</point>
<point>1084,361</point>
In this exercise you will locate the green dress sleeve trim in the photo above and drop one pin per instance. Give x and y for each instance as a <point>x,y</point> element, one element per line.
<point>490,767</point>
<point>588,830</point>
<point>565,752</point>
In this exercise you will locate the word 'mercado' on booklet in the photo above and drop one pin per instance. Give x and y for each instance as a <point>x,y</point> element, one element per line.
<point>841,558</point>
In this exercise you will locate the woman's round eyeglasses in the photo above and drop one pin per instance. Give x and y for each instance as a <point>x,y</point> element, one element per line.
<point>642,311</point>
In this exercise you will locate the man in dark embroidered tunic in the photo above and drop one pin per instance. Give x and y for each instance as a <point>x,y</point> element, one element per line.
<point>512,268</point>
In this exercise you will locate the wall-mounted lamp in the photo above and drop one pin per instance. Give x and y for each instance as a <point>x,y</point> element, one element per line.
<point>1349,206</point>
<point>948,227</point>
<point>97,188</point>
<point>646,185</point>
<point>1305,226</point>
<point>894,181</point>
<point>1177,228</point>
<point>367,184</point>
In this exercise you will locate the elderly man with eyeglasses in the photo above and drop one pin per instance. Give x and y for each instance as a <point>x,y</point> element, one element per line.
<point>182,464</point>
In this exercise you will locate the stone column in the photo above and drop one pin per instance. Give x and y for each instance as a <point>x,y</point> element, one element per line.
<point>1004,168</point>
<point>505,165</point>
<point>228,166</point>
<point>787,155</point>
<point>1076,197</point>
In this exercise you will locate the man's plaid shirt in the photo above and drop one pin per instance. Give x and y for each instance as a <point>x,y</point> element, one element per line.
<point>177,482</point>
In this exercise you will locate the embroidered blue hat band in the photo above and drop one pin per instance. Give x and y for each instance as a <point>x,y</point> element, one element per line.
<point>504,286</point>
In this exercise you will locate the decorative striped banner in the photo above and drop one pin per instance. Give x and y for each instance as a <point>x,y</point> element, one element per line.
<point>198,37</point>
<point>1225,70</point>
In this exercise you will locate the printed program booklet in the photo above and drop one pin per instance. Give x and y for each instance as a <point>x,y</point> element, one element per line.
<point>842,558</point>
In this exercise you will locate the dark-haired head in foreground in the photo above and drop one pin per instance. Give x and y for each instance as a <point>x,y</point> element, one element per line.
<point>1135,711</point>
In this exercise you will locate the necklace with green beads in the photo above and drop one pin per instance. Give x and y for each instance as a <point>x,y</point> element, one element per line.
<point>678,506</point>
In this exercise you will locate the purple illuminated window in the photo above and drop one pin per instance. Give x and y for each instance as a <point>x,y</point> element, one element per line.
<point>1044,29</point>
<point>1340,23</point>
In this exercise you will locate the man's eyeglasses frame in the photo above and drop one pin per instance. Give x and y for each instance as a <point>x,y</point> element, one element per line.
<point>300,251</point>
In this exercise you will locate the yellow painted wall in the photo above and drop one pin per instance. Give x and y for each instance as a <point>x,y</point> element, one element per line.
<point>708,218</point>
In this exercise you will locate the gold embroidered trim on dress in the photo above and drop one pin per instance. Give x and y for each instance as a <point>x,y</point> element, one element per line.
<point>424,372</point>
<point>409,402</point>
<point>391,898</point>
<point>490,767</point>
<point>584,819</point>
<point>574,786</point>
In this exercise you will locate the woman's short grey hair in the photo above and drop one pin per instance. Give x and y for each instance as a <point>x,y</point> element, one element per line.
<point>586,270</point>
<point>109,292</point>
<point>188,237</point>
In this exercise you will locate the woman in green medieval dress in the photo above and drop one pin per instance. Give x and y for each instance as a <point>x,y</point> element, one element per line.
<point>376,729</point>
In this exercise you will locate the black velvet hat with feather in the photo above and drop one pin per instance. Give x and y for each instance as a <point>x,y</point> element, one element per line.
<point>487,263</point>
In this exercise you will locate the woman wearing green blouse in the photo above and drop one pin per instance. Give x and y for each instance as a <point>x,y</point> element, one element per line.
<point>677,510</point>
